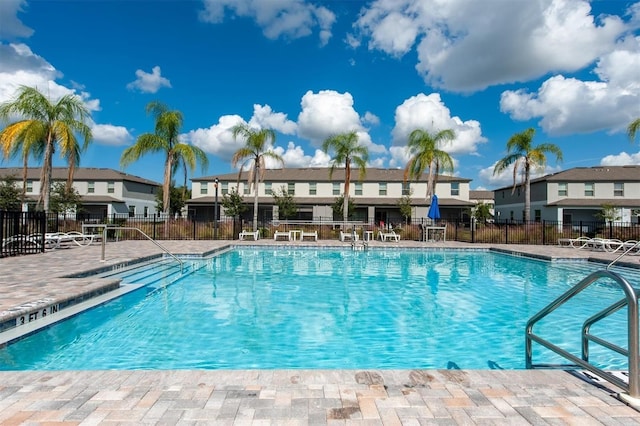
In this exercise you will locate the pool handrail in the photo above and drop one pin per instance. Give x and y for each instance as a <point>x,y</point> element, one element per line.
<point>160,246</point>
<point>631,300</point>
<point>635,246</point>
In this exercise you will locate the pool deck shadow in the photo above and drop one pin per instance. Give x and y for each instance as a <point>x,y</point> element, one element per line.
<point>276,397</point>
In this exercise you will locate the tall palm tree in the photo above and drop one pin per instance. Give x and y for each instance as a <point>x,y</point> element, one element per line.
<point>256,149</point>
<point>42,127</point>
<point>425,152</point>
<point>522,154</point>
<point>166,138</point>
<point>633,129</point>
<point>346,151</point>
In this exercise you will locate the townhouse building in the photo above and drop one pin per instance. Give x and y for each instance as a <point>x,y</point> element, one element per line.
<point>103,191</point>
<point>376,195</point>
<point>574,195</point>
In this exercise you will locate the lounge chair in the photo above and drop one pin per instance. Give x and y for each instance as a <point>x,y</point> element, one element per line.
<point>579,243</point>
<point>351,236</point>
<point>20,240</point>
<point>388,236</point>
<point>282,234</point>
<point>253,234</point>
<point>56,239</point>
<point>310,234</point>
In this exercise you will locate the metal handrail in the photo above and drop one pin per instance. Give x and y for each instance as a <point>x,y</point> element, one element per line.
<point>635,246</point>
<point>631,300</point>
<point>163,248</point>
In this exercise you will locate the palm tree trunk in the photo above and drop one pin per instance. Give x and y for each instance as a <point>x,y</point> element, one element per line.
<point>527,192</point>
<point>345,199</point>
<point>25,167</point>
<point>166,186</point>
<point>45,177</point>
<point>256,179</point>
<point>430,179</point>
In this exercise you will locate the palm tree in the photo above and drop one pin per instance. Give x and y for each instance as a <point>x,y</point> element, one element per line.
<point>43,127</point>
<point>424,151</point>
<point>633,129</point>
<point>255,151</point>
<point>522,153</point>
<point>166,138</point>
<point>346,151</point>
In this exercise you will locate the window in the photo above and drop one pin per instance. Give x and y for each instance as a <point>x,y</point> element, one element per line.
<point>406,188</point>
<point>111,187</point>
<point>358,188</point>
<point>91,187</point>
<point>455,188</point>
<point>203,188</point>
<point>132,211</point>
<point>336,189</point>
<point>382,189</point>
<point>146,211</point>
<point>588,189</point>
<point>313,188</point>
<point>291,188</point>
<point>537,215</point>
<point>267,188</point>
<point>618,189</point>
<point>29,186</point>
<point>247,188</point>
<point>225,188</point>
<point>562,189</point>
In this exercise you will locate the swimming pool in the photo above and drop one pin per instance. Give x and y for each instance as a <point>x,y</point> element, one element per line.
<point>308,308</point>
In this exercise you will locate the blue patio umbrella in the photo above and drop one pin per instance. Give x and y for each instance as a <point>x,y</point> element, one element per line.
<point>434,209</point>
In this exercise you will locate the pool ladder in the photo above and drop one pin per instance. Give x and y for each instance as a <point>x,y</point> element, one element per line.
<point>354,243</point>
<point>630,301</point>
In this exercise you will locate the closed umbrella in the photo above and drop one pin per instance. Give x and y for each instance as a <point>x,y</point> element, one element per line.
<point>434,209</point>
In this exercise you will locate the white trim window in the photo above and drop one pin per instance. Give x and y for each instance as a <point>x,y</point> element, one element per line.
<point>618,189</point>
<point>589,189</point>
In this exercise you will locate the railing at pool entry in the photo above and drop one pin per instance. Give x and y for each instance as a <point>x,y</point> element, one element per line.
<point>132,228</point>
<point>630,300</point>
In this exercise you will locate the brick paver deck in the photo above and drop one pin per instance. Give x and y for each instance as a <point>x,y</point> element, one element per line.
<point>276,397</point>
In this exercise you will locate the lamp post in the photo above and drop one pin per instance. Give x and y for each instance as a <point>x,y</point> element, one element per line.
<point>215,211</point>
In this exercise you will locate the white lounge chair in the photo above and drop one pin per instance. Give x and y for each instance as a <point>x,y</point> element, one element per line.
<point>282,234</point>
<point>56,239</point>
<point>20,240</point>
<point>310,234</point>
<point>249,234</point>
<point>388,236</point>
<point>350,236</point>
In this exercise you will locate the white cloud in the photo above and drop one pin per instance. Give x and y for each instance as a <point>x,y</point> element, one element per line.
<point>371,118</point>
<point>468,45</point>
<point>294,156</point>
<point>328,113</point>
<point>622,159</point>
<point>428,112</point>
<point>505,178</point>
<point>149,82</point>
<point>265,118</point>
<point>108,134</point>
<point>567,105</point>
<point>21,67</point>
<point>218,139</point>
<point>10,26</point>
<point>283,18</point>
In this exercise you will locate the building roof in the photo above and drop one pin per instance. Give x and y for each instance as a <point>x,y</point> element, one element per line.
<point>81,174</point>
<point>596,202</point>
<point>321,174</point>
<point>481,195</point>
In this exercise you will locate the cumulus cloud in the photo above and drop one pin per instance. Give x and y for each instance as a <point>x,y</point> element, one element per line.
<point>622,159</point>
<point>284,18</point>
<point>464,45</point>
<point>108,134</point>
<point>505,178</point>
<point>218,139</point>
<point>149,82</point>
<point>568,105</point>
<point>265,118</point>
<point>294,156</point>
<point>328,113</point>
<point>10,26</point>
<point>21,67</point>
<point>428,112</point>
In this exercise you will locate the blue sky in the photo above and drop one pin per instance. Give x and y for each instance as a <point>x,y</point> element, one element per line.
<point>309,69</point>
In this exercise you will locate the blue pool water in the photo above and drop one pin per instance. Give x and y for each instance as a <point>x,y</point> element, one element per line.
<point>279,308</point>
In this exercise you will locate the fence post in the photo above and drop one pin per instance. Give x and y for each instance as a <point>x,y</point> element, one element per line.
<point>194,227</point>
<point>473,231</point>
<point>544,239</point>
<point>154,225</point>
<point>506,232</point>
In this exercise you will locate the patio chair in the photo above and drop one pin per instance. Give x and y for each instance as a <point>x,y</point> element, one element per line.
<point>255,235</point>
<point>55,240</point>
<point>388,236</point>
<point>282,234</point>
<point>310,234</point>
<point>349,236</point>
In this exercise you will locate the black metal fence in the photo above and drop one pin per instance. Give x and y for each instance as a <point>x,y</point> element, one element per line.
<point>18,230</point>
